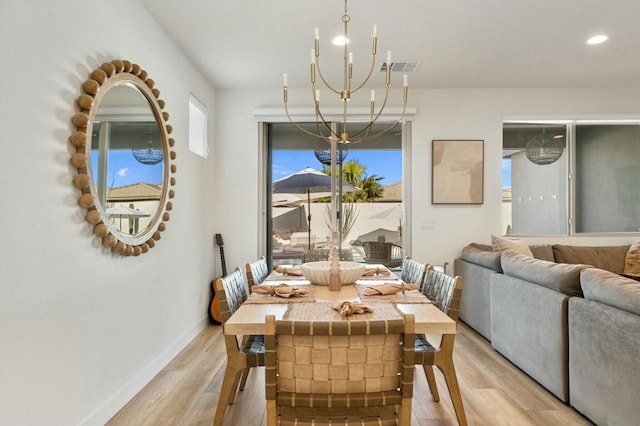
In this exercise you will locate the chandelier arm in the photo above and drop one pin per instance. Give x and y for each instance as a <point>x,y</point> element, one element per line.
<point>385,131</point>
<point>326,123</point>
<point>373,63</point>
<point>327,85</point>
<point>373,119</point>
<point>303,130</point>
<point>316,101</point>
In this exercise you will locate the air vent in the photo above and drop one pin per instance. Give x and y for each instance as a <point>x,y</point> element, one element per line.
<point>401,66</point>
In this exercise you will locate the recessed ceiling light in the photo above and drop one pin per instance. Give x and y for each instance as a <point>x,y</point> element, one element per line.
<point>340,41</point>
<point>597,39</point>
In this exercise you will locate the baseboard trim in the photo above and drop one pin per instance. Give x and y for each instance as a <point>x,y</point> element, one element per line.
<point>109,408</point>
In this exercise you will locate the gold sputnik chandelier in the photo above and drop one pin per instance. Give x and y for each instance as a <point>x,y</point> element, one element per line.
<point>341,133</point>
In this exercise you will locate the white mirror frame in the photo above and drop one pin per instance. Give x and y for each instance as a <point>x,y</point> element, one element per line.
<point>94,89</point>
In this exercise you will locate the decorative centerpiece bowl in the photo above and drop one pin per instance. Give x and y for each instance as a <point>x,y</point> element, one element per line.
<point>319,272</point>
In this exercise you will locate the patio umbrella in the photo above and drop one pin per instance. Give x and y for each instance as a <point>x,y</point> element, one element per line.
<point>121,211</point>
<point>126,212</point>
<point>307,181</point>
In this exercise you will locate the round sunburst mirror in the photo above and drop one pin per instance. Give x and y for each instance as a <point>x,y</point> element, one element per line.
<point>123,157</point>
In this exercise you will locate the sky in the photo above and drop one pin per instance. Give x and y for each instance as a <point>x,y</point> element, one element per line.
<point>506,173</point>
<point>124,169</point>
<point>384,163</point>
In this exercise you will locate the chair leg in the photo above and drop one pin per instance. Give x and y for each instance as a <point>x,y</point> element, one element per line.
<point>236,380</point>
<point>431,380</point>
<point>243,378</point>
<point>449,373</point>
<point>227,392</point>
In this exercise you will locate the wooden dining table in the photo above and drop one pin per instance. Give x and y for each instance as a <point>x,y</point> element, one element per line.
<point>250,317</point>
<point>320,303</point>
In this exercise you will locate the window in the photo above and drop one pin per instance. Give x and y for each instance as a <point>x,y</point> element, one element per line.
<point>541,198</point>
<point>298,221</point>
<point>607,178</point>
<point>198,127</point>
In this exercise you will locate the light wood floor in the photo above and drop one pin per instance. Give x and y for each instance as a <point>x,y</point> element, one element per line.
<point>494,391</point>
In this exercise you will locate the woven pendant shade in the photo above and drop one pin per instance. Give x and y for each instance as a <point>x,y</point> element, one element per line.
<point>324,156</point>
<point>542,149</point>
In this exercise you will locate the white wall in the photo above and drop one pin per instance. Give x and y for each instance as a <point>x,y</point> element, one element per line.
<point>82,330</point>
<point>441,114</point>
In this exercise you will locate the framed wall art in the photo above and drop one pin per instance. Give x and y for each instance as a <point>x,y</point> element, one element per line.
<point>457,172</point>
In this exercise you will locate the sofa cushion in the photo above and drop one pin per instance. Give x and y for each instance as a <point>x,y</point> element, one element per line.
<point>516,244</point>
<point>543,252</point>
<point>560,277</point>
<point>610,258</point>
<point>483,255</point>
<point>632,260</point>
<point>611,289</point>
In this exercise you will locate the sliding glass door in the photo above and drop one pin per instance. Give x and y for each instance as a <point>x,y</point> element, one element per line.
<point>298,219</point>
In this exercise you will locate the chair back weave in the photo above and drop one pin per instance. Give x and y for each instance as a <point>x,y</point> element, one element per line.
<point>339,364</point>
<point>233,295</point>
<point>315,255</point>
<point>444,291</point>
<point>257,271</point>
<point>413,271</point>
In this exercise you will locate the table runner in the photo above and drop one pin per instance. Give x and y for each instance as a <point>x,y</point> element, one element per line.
<point>277,276</point>
<point>324,311</point>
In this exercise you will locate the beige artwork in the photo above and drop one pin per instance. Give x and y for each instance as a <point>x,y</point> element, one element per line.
<point>458,172</point>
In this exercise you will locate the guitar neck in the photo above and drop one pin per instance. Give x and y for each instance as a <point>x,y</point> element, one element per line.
<point>224,265</point>
<point>218,240</point>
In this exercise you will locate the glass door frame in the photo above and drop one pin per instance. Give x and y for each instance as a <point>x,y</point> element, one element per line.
<point>269,115</point>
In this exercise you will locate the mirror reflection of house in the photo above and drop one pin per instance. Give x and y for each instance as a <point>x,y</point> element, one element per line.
<point>141,198</point>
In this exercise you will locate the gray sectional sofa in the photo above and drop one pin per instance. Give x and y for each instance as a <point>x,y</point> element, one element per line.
<point>565,317</point>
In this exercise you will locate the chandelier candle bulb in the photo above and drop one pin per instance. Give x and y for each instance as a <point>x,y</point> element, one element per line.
<point>373,96</point>
<point>405,80</point>
<point>339,133</point>
<point>284,80</point>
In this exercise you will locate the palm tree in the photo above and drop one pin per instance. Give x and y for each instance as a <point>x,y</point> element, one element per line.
<point>370,188</point>
<point>355,173</point>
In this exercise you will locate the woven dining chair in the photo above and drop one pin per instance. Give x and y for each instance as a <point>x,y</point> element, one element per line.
<point>413,271</point>
<point>314,255</point>
<point>257,271</point>
<point>388,254</point>
<point>232,292</point>
<point>444,291</point>
<point>339,372</point>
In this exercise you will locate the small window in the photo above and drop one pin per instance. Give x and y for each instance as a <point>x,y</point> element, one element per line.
<point>198,127</point>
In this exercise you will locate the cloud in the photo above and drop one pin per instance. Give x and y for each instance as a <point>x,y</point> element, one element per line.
<point>123,172</point>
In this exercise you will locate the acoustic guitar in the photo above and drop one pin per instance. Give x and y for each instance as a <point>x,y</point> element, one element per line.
<point>214,306</point>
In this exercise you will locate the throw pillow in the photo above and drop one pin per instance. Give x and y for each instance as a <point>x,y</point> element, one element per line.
<point>632,260</point>
<point>515,244</point>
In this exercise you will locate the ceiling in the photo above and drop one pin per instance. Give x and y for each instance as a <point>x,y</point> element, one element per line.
<point>249,44</point>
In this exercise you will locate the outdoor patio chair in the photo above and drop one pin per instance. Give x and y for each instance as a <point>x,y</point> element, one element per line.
<point>413,271</point>
<point>232,292</point>
<point>339,372</point>
<point>257,271</point>
<point>314,255</point>
<point>385,253</point>
<point>445,292</point>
